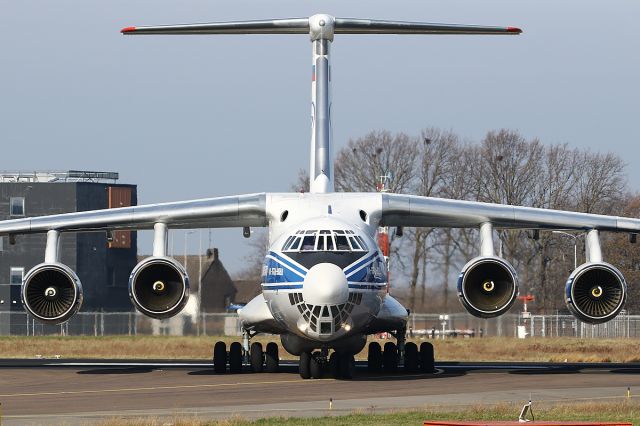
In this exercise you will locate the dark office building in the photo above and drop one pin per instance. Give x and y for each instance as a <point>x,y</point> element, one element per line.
<point>102,266</point>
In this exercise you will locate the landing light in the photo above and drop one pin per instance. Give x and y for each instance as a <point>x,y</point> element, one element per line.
<point>347,327</point>
<point>303,327</point>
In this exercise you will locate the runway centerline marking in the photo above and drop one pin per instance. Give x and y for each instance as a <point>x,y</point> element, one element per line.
<point>152,388</point>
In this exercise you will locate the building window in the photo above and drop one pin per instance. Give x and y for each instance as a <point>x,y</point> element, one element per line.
<point>16,275</point>
<point>111,276</point>
<point>16,206</point>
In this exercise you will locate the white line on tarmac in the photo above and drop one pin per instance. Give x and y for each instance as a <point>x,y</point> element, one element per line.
<point>152,388</point>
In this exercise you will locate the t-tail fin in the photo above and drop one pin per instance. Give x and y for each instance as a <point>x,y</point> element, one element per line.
<point>321,28</point>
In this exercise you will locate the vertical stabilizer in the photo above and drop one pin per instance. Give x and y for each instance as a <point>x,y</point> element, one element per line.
<point>321,28</point>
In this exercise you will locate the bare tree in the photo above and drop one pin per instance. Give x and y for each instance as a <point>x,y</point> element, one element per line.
<point>302,182</point>
<point>360,165</point>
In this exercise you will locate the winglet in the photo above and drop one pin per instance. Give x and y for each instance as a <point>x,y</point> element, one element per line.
<point>514,30</point>
<point>128,30</point>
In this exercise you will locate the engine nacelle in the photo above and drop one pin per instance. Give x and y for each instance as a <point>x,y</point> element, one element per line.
<point>159,287</point>
<point>51,293</point>
<point>487,286</point>
<point>595,292</point>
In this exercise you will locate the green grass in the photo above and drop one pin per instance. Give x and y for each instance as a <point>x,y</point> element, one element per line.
<point>621,411</point>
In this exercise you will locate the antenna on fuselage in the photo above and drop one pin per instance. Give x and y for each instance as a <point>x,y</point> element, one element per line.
<point>321,29</point>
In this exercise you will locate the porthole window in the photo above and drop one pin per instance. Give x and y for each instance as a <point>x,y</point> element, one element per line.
<point>284,215</point>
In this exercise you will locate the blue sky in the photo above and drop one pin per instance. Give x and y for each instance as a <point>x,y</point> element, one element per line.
<point>198,116</point>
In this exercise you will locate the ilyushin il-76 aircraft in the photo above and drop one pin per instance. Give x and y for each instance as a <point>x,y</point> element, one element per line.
<point>324,280</point>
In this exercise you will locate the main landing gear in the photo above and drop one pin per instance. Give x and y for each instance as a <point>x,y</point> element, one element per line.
<point>267,360</point>
<point>388,360</point>
<point>413,360</point>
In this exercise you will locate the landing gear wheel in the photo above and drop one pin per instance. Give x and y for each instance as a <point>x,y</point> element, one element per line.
<point>427,363</point>
<point>374,358</point>
<point>256,357</point>
<point>390,357</point>
<point>272,360</point>
<point>304,365</point>
<point>235,358</point>
<point>411,357</point>
<point>334,365</point>
<point>347,366</point>
<point>315,366</point>
<point>220,357</point>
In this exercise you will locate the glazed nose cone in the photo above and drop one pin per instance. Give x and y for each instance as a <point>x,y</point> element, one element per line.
<point>325,284</point>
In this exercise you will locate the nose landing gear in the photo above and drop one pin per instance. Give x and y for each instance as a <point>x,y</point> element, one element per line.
<point>340,365</point>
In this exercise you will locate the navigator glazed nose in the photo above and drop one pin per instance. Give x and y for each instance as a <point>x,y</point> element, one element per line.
<point>325,284</point>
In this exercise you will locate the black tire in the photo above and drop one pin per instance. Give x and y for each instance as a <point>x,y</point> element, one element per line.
<point>272,359</point>
<point>334,365</point>
<point>315,366</point>
<point>235,358</point>
<point>411,358</point>
<point>256,357</point>
<point>220,357</point>
<point>390,357</point>
<point>304,365</point>
<point>347,366</point>
<point>427,363</point>
<point>374,357</point>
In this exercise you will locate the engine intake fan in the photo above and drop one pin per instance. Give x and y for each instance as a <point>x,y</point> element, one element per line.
<point>487,286</point>
<point>159,287</point>
<point>595,292</point>
<point>51,292</point>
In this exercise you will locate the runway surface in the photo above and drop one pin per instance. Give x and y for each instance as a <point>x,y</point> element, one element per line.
<point>81,392</point>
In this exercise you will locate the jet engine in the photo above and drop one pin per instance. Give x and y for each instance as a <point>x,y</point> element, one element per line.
<point>51,292</point>
<point>159,287</point>
<point>487,286</point>
<point>595,292</point>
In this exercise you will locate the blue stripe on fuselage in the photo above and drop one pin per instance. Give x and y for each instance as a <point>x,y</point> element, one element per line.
<point>292,286</point>
<point>361,263</point>
<point>275,271</point>
<point>288,263</point>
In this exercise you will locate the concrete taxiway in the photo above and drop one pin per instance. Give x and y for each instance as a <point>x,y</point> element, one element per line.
<point>81,392</point>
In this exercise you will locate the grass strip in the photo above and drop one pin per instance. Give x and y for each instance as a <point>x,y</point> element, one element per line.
<point>620,411</point>
<point>201,347</point>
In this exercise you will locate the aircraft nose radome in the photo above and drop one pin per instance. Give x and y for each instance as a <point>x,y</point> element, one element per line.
<point>325,284</point>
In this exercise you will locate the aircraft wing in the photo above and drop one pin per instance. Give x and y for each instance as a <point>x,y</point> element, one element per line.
<point>221,212</point>
<point>411,210</point>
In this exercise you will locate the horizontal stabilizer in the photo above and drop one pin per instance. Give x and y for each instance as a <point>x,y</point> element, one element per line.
<point>273,26</point>
<point>368,26</point>
<point>301,26</point>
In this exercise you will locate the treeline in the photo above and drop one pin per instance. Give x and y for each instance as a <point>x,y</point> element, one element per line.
<point>505,168</point>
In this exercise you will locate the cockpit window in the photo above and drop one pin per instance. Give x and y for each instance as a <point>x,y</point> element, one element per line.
<point>336,240</point>
<point>354,243</point>
<point>308,243</point>
<point>288,243</point>
<point>296,244</point>
<point>341,243</point>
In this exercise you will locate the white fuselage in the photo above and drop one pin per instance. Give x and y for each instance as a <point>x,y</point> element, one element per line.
<point>324,277</point>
